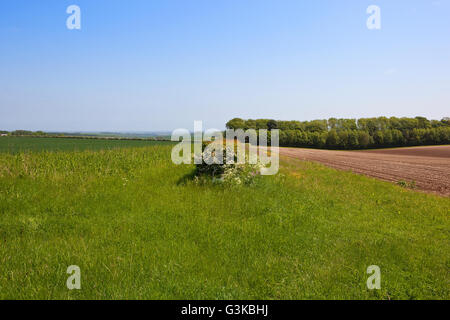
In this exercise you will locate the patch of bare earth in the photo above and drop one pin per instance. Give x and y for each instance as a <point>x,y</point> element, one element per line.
<point>429,167</point>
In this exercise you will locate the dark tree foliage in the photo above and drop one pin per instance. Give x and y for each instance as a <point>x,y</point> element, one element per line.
<point>354,133</point>
<point>27,133</point>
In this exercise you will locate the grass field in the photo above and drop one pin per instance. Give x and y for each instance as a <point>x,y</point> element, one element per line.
<point>138,229</point>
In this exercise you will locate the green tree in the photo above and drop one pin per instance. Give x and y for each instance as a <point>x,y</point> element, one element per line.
<point>378,137</point>
<point>332,139</point>
<point>343,139</point>
<point>363,139</point>
<point>353,142</point>
<point>236,123</point>
<point>423,123</point>
<point>250,124</point>
<point>272,124</point>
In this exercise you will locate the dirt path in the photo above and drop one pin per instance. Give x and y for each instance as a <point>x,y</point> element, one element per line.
<point>429,167</point>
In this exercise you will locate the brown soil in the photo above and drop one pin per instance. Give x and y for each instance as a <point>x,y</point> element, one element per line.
<point>429,167</point>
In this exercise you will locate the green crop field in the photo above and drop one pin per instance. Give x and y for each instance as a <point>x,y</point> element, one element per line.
<point>21,144</point>
<point>138,228</point>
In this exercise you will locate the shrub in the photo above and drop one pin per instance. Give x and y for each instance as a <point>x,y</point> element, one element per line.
<point>214,166</point>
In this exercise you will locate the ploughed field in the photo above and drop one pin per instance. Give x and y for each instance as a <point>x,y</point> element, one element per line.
<point>428,167</point>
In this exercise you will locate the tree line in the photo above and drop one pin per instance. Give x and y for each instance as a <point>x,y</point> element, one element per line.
<point>353,133</point>
<point>23,133</point>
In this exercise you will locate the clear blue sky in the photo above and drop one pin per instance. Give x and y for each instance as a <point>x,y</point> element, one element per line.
<point>161,64</point>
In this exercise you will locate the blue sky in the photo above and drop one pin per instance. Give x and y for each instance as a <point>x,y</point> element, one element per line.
<point>161,64</point>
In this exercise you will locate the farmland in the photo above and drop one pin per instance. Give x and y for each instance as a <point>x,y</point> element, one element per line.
<point>427,167</point>
<point>139,229</point>
<point>21,144</point>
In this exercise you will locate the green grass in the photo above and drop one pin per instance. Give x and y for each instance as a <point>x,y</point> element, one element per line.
<point>22,144</point>
<point>137,230</point>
